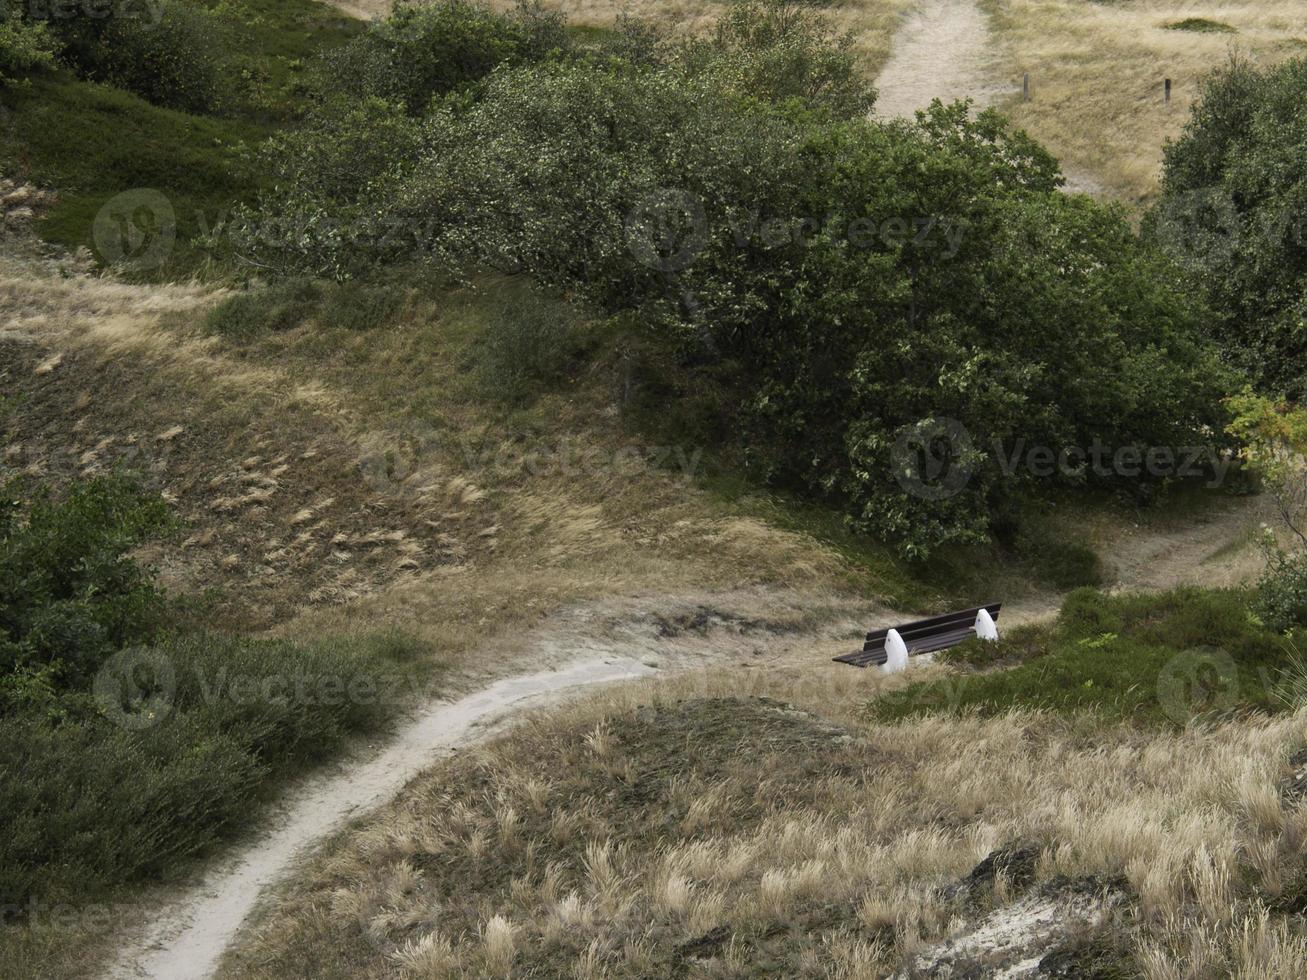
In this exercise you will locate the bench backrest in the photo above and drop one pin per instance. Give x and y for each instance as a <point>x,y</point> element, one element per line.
<point>923,636</point>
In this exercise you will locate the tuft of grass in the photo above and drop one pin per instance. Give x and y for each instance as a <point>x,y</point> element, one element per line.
<point>289,303</point>
<point>1201,25</point>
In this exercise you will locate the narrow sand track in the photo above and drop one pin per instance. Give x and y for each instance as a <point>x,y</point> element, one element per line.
<point>942,51</point>
<point>187,943</point>
<point>945,50</point>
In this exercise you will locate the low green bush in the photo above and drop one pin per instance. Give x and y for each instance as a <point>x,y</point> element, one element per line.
<point>1201,25</point>
<point>70,595</point>
<point>422,51</point>
<point>25,45</point>
<point>1281,601</point>
<point>1154,660</point>
<point>526,342</point>
<point>357,306</point>
<point>168,52</point>
<point>119,790</point>
<point>281,306</point>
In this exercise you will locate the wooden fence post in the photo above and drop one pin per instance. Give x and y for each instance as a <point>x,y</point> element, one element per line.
<point>1025,88</point>
<point>1168,91</point>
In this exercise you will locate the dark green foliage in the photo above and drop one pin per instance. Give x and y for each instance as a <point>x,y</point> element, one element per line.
<point>25,45</point>
<point>840,280</point>
<point>167,52</point>
<point>1234,213</point>
<point>1153,659</point>
<point>428,50</point>
<point>87,802</point>
<point>777,50</point>
<point>69,593</point>
<point>282,306</point>
<point>354,306</point>
<point>1201,25</point>
<point>1281,601</point>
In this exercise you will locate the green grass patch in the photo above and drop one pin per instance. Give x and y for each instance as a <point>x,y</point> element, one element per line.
<point>1201,25</point>
<point>289,303</point>
<point>272,45</point>
<point>1155,659</point>
<point>92,142</point>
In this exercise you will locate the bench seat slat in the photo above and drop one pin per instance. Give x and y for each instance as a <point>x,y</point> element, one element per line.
<point>923,636</point>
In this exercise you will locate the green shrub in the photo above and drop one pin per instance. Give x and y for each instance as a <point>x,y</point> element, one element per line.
<point>281,306</point>
<point>778,50</point>
<point>69,593</point>
<point>526,342</point>
<point>1233,212</point>
<point>1281,601</point>
<point>1201,25</point>
<point>25,46</point>
<point>169,54</point>
<point>287,304</point>
<point>89,803</point>
<point>423,51</point>
<point>354,306</point>
<point>735,229</point>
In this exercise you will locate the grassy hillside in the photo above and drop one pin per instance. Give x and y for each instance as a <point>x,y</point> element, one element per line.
<point>741,823</point>
<point>469,463</point>
<point>1097,73</point>
<point>92,142</point>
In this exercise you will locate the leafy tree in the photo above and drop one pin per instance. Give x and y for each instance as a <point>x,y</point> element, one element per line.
<point>168,52</point>
<point>426,50</point>
<point>843,280</point>
<point>782,49</point>
<point>1234,213</point>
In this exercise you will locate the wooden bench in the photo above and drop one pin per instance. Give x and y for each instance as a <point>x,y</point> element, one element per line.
<point>923,636</point>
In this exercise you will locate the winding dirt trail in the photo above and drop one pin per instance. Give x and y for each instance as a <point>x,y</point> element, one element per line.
<point>188,942</point>
<point>608,642</point>
<point>601,643</point>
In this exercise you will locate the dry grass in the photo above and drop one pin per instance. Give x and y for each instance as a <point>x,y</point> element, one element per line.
<point>687,825</point>
<point>1097,72</point>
